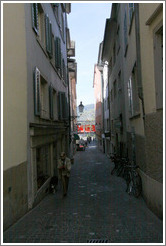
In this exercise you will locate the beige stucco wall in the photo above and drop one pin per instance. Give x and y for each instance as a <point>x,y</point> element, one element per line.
<point>147,54</point>
<point>153,194</point>
<point>15,85</point>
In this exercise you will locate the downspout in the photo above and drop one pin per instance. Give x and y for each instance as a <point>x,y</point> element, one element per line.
<point>102,95</point>
<point>138,54</point>
<point>68,115</point>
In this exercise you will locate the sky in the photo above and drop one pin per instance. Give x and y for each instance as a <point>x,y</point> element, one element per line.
<point>87,25</point>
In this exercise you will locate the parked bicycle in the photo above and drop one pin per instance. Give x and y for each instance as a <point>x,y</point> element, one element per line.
<point>127,170</point>
<point>116,160</point>
<point>134,183</point>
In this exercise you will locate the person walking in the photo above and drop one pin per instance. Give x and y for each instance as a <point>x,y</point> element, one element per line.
<point>64,167</point>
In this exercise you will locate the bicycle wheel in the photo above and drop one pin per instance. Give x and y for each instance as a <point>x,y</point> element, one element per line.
<point>137,185</point>
<point>113,170</point>
<point>119,170</point>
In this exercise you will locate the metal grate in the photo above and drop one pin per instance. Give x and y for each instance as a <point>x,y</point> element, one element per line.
<point>97,241</point>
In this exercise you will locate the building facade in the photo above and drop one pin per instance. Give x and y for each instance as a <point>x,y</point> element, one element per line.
<point>36,118</point>
<point>150,24</point>
<point>133,48</point>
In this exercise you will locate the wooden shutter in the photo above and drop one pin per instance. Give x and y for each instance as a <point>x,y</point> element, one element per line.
<point>51,101</point>
<point>58,52</point>
<point>50,39</point>
<point>67,109</point>
<point>47,33</point>
<point>60,55</point>
<point>62,106</point>
<point>35,22</point>
<point>55,4</point>
<point>37,92</point>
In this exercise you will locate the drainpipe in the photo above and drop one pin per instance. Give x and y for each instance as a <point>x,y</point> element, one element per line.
<point>69,119</point>
<point>138,53</point>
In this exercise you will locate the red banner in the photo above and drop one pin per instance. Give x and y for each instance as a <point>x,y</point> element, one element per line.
<point>86,128</point>
<point>80,128</point>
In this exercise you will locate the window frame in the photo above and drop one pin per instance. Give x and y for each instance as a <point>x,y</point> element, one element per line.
<point>39,105</point>
<point>35,23</point>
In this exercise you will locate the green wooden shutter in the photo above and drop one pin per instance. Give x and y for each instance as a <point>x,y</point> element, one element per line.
<point>37,92</point>
<point>58,52</point>
<point>51,101</point>
<point>64,71</point>
<point>50,38</point>
<point>67,109</point>
<point>47,33</point>
<point>35,23</point>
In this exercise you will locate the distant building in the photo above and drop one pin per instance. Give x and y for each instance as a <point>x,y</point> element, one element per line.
<point>98,84</point>
<point>72,67</point>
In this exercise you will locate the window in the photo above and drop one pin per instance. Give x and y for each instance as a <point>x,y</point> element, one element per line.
<point>131,11</point>
<point>48,26</point>
<point>43,28</point>
<point>62,106</point>
<point>53,103</point>
<point>56,10</point>
<point>53,51</point>
<point>58,53</point>
<point>133,94</point>
<point>41,25</point>
<point>62,26</point>
<point>35,23</point>
<point>43,164</point>
<point>44,113</point>
<point>158,66</point>
<point>41,102</point>
<point>64,70</point>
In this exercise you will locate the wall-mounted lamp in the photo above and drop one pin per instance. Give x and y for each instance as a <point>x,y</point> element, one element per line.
<point>81,107</point>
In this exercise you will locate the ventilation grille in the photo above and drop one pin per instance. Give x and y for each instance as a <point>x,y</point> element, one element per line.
<point>97,241</point>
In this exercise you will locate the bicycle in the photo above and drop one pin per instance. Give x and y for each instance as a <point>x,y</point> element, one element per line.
<point>122,167</point>
<point>116,159</point>
<point>133,181</point>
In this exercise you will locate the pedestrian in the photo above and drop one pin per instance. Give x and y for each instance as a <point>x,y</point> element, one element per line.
<point>64,167</point>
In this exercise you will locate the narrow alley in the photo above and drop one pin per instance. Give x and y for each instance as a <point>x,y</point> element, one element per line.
<point>96,207</point>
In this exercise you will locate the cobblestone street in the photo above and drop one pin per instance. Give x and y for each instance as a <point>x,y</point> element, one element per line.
<point>96,207</point>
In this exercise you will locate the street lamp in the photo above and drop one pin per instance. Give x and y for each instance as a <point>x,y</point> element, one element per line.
<point>81,107</point>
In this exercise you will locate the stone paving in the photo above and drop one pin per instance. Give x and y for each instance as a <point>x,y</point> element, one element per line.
<point>97,207</point>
